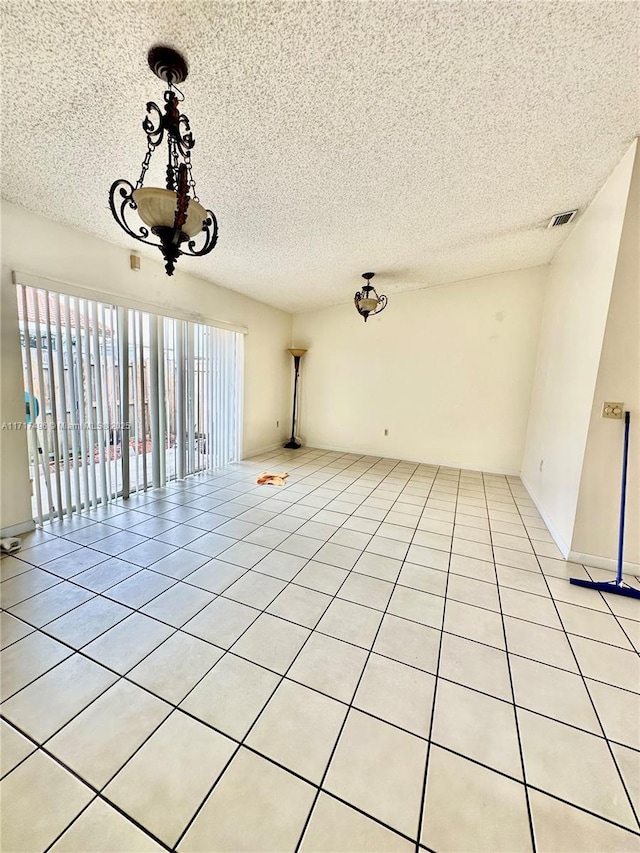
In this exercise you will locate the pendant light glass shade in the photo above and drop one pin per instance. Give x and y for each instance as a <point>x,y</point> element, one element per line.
<point>157,208</point>
<point>367,305</point>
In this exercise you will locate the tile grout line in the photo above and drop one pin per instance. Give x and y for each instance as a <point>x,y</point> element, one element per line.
<point>101,594</point>
<point>595,710</point>
<point>634,645</point>
<point>242,742</point>
<point>219,556</point>
<point>136,610</point>
<point>423,791</point>
<point>394,507</point>
<point>174,708</point>
<point>513,698</point>
<point>85,783</point>
<point>126,675</point>
<point>185,580</point>
<point>344,722</point>
<point>101,796</point>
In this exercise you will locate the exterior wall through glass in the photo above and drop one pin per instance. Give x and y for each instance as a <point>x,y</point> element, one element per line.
<point>119,400</point>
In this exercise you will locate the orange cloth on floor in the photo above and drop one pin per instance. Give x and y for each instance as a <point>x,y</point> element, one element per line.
<point>272,479</point>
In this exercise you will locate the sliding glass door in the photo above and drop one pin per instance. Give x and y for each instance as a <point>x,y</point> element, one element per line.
<point>119,400</point>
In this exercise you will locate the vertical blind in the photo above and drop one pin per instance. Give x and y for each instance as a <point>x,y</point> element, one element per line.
<point>119,400</point>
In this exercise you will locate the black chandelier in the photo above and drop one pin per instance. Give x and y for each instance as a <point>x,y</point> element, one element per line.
<point>365,303</point>
<point>173,215</point>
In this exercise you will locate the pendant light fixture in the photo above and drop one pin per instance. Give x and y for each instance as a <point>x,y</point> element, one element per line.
<point>173,215</point>
<point>367,301</point>
<point>297,354</point>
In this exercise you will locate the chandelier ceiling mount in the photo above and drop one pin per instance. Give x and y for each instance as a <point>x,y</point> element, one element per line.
<point>167,64</point>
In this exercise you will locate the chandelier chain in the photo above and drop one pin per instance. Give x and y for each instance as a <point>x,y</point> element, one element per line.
<point>192,183</point>
<point>173,165</point>
<point>145,163</point>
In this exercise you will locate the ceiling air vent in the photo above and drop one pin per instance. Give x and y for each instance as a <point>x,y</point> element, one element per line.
<point>562,218</point>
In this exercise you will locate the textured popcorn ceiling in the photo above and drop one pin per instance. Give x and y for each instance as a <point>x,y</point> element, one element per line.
<point>426,141</point>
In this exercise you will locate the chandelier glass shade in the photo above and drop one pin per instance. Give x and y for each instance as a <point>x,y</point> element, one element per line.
<point>157,207</point>
<point>172,217</point>
<point>367,301</point>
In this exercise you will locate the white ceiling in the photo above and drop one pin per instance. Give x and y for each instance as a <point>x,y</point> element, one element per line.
<point>426,141</point>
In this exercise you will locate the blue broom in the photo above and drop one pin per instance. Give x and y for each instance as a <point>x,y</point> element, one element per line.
<point>618,586</point>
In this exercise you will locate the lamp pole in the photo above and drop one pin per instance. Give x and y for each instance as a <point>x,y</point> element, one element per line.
<point>297,354</point>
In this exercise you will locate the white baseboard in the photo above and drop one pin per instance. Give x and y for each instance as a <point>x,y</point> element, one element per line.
<point>260,450</point>
<point>606,563</point>
<point>562,545</point>
<point>17,529</point>
<point>507,472</point>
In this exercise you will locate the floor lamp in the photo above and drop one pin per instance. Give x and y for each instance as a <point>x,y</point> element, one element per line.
<point>297,354</point>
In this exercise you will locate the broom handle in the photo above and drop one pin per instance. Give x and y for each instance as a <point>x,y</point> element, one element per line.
<point>623,496</point>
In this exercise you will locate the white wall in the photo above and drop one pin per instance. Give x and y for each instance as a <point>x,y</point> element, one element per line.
<point>35,245</point>
<point>573,325</point>
<point>15,491</point>
<point>596,525</point>
<point>447,370</point>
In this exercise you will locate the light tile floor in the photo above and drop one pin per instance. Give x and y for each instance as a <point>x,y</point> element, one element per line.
<point>381,656</point>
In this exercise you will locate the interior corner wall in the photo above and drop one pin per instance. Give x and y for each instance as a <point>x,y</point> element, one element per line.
<point>446,370</point>
<point>38,246</point>
<point>571,338</point>
<point>596,527</point>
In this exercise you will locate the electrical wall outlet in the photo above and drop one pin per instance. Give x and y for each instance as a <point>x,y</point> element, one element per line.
<point>386,432</point>
<point>613,410</point>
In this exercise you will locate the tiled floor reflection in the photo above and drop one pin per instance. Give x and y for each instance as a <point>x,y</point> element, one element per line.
<point>381,656</point>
